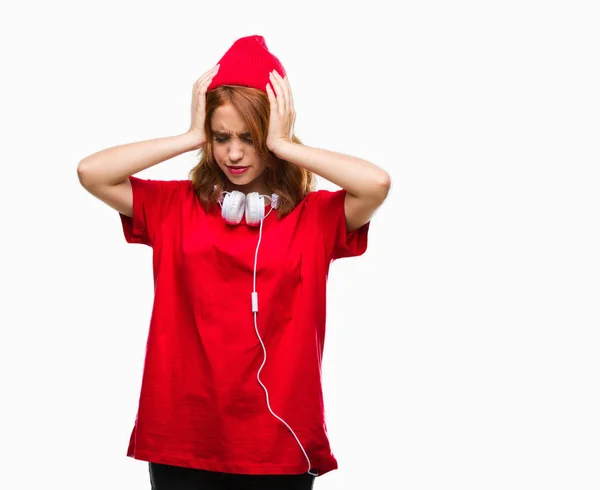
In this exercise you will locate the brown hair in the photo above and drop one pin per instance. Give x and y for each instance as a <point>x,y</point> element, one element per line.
<point>287,180</point>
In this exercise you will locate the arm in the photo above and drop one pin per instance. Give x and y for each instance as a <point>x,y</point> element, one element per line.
<point>105,174</point>
<point>366,184</point>
<point>113,165</point>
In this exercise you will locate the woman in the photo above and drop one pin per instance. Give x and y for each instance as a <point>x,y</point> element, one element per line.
<point>213,412</point>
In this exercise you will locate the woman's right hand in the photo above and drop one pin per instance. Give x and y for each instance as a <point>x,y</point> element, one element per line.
<point>198,109</point>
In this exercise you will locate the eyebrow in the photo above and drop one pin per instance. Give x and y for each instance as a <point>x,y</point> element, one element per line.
<point>227,133</point>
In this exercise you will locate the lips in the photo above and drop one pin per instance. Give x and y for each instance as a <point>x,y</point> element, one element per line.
<point>237,170</point>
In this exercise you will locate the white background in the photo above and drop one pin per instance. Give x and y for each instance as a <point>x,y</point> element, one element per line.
<point>462,348</point>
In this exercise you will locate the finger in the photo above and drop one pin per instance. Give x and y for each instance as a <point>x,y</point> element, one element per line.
<point>208,74</point>
<point>202,87</point>
<point>284,90</point>
<point>278,92</point>
<point>291,99</point>
<point>272,98</point>
<point>287,90</point>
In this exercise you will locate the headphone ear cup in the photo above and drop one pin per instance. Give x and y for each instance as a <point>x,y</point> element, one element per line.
<point>255,208</point>
<point>233,207</point>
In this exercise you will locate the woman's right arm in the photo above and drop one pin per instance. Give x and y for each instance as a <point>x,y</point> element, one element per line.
<point>105,174</point>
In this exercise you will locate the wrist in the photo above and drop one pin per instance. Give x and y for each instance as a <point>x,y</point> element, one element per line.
<point>280,146</point>
<point>194,139</point>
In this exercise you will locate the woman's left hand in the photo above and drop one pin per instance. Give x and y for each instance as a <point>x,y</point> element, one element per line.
<point>283,116</point>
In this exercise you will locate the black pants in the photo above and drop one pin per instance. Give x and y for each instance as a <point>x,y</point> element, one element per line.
<point>168,477</point>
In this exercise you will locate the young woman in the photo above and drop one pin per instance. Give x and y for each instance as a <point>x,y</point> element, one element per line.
<point>231,392</point>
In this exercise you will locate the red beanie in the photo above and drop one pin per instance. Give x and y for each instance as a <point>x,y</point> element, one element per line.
<point>247,62</point>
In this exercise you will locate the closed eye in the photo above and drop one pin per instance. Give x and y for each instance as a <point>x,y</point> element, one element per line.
<point>221,140</point>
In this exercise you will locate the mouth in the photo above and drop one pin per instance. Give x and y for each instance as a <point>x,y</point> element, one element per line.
<point>237,170</point>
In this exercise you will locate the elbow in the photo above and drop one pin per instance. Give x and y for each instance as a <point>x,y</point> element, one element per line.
<point>385,181</point>
<point>384,184</point>
<point>378,188</point>
<point>85,173</point>
<point>81,172</point>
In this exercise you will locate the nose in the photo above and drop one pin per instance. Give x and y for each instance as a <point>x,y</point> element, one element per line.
<point>235,151</point>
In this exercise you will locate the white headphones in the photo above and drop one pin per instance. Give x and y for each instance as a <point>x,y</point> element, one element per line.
<point>236,204</point>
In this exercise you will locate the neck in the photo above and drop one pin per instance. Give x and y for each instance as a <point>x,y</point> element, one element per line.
<point>255,186</point>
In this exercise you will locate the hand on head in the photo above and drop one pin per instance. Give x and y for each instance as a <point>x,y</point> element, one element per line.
<point>198,109</point>
<point>282,115</point>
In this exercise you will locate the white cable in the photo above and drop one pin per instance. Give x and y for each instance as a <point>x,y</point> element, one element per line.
<point>255,309</point>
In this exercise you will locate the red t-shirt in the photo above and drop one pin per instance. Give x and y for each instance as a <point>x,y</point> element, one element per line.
<point>201,405</point>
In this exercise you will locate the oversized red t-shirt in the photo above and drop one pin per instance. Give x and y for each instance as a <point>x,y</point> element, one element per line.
<point>201,405</point>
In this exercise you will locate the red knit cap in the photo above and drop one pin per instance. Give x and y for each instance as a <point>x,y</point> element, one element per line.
<point>247,62</point>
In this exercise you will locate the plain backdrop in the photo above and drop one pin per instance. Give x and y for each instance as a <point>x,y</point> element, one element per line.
<point>462,348</point>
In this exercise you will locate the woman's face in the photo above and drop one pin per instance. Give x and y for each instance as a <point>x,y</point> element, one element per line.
<point>233,150</point>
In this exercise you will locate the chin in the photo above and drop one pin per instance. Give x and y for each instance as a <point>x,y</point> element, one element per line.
<point>245,180</point>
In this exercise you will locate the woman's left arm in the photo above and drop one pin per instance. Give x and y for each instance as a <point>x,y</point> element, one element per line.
<point>367,185</point>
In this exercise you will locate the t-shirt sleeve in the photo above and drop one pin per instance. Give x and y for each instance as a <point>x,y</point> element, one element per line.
<point>331,216</point>
<point>152,201</point>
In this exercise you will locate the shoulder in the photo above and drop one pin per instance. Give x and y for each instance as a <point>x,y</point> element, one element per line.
<point>324,206</point>
<point>157,184</point>
<point>324,198</point>
<point>324,195</point>
<point>159,194</point>
<point>164,188</point>
<point>173,182</point>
